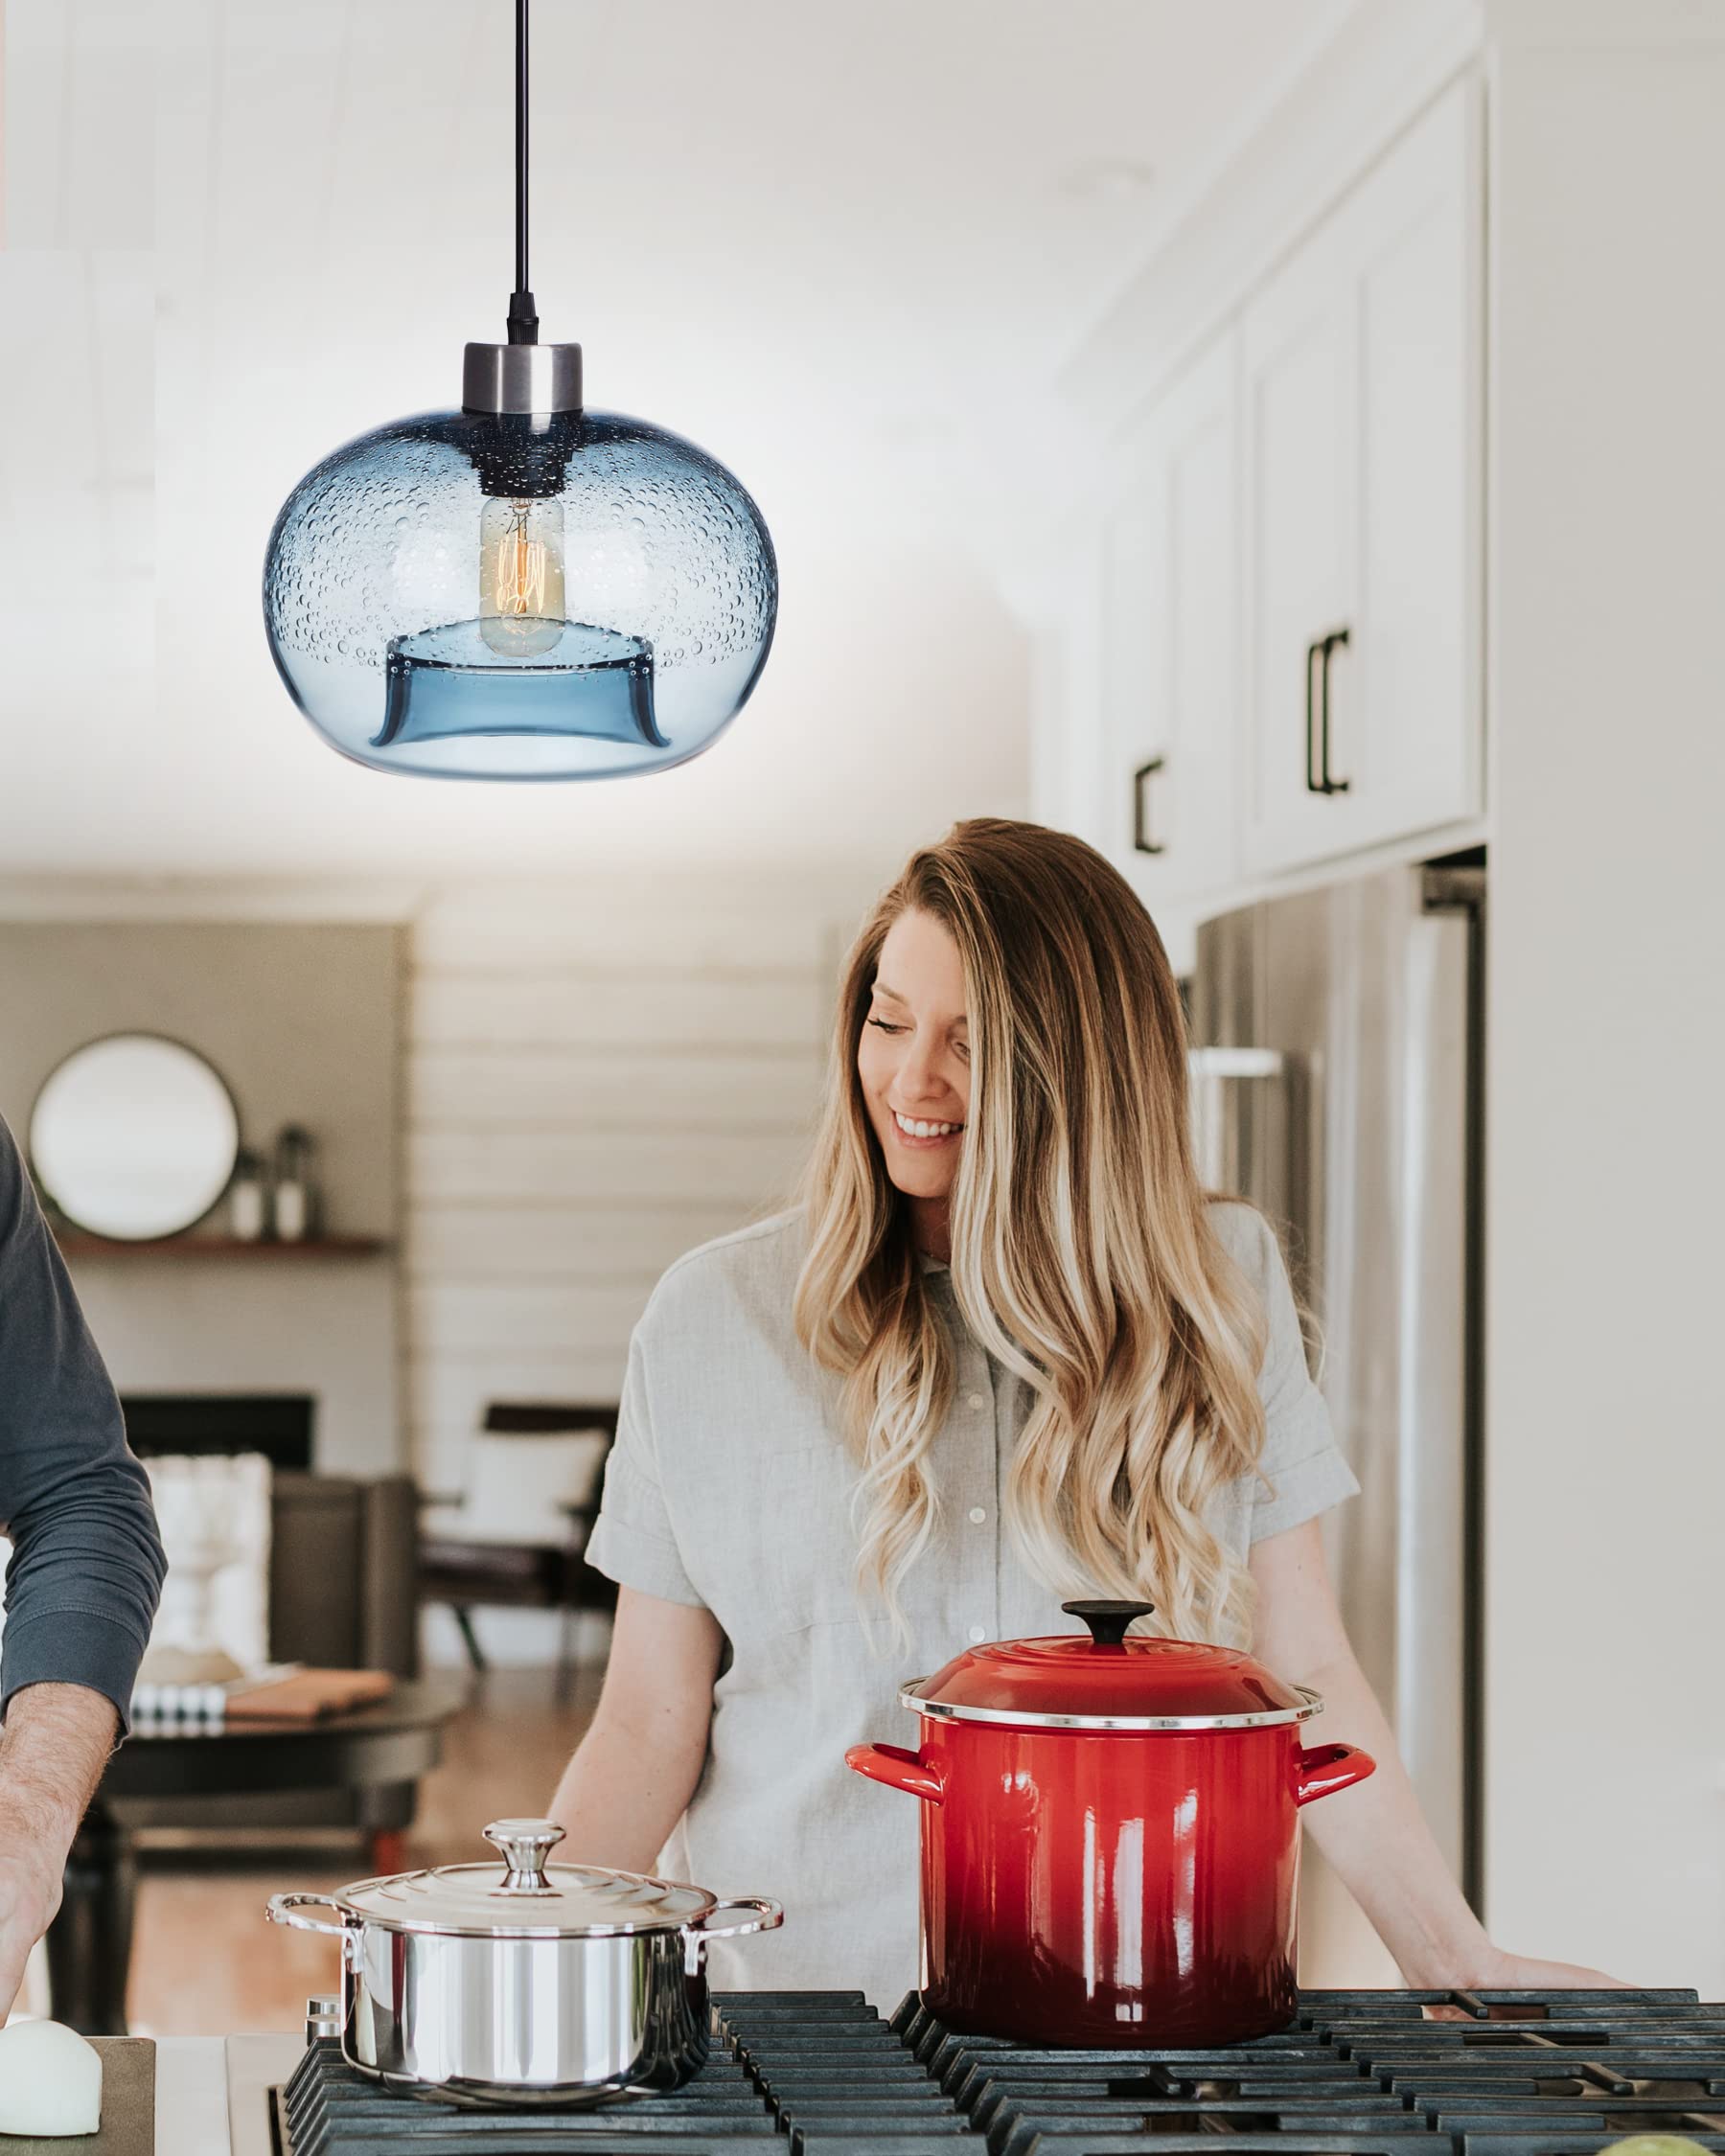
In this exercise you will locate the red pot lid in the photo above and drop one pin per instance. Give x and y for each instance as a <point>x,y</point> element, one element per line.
<point>1107,1681</point>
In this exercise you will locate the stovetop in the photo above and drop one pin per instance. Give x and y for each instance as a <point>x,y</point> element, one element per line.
<point>1358,2073</point>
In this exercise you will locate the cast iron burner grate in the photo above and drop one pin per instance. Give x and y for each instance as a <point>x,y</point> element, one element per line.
<point>1357,2074</point>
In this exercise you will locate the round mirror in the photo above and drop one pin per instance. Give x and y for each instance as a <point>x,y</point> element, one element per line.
<point>133,1137</point>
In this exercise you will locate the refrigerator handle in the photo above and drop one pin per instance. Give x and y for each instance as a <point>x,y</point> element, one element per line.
<point>1209,1070</point>
<point>1205,1064</point>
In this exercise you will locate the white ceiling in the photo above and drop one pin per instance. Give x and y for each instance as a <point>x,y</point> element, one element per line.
<point>845,249</point>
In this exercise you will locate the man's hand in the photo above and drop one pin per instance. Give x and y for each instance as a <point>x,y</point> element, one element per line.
<point>30,1894</point>
<point>55,1746</point>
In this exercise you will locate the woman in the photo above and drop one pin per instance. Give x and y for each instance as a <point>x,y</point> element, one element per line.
<point>1005,1352</point>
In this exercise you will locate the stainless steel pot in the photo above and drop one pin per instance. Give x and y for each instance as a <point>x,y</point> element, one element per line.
<point>559,1985</point>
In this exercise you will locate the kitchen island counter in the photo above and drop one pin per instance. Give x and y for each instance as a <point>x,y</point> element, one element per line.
<point>190,2097</point>
<point>1408,2071</point>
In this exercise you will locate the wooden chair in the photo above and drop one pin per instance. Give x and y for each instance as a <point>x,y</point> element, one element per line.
<point>522,1548</point>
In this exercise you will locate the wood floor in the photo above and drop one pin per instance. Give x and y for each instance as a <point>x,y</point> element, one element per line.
<point>204,1962</point>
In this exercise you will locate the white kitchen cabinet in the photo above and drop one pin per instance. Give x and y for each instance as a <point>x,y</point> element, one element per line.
<point>1362,447</point>
<point>1364,461</point>
<point>1170,636</point>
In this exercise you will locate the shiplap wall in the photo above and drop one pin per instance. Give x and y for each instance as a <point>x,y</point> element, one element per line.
<point>599,1076</point>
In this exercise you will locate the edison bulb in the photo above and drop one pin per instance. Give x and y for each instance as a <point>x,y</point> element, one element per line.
<point>521,576</point>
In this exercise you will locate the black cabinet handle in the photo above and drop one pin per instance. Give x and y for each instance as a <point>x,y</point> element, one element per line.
<point>1331,783</point>
<point>1141,840</point>
<point>1319,778</point>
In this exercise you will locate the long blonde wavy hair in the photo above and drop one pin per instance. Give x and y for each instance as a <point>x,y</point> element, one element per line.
<point>1082,1253</point>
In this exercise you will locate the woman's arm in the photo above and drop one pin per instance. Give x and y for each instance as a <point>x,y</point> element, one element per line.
<point>1374,1835</point>
<point>634,1771</point>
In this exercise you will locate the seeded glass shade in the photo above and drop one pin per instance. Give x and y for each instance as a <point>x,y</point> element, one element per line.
<point>495,595</point>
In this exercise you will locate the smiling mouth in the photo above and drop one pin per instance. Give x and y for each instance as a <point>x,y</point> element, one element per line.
<point>925,1133</point>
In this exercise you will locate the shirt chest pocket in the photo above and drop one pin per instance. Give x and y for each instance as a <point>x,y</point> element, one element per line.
<point>806,1539</point>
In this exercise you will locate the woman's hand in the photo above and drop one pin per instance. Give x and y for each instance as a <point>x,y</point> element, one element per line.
<point>1516,1972</point>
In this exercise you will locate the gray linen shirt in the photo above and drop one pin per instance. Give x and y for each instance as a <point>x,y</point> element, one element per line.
<point>729,1489</point>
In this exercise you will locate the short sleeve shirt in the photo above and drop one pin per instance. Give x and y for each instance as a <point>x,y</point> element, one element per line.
<point>730,1489</point>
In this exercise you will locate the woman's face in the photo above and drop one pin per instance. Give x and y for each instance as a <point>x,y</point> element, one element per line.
<point>914,1057</point>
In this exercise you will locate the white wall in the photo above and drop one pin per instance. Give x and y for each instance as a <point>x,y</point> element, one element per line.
<point>1606,1473</point>
<point>303,1020</point>
<point>601,1074</point>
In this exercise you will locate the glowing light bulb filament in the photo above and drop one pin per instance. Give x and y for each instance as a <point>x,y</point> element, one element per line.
<point>521,576</point>
<point>520,569</point>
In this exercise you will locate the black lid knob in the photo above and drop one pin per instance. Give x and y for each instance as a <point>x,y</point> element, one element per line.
<point>1108,1620</point>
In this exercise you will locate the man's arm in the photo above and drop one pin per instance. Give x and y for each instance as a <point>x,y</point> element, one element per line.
<point>84,1576</point>
<point>56,1743</point>
<point>86,1566</point>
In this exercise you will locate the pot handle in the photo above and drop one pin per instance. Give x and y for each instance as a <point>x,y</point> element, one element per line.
<point>1329,1767</point>
<point>744,1913</point>
<point>282,1906</point>
<point>899,1769</point>
<point>1108,1620</point>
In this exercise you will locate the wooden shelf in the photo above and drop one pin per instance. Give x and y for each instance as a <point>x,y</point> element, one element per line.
<point>73,1243</point>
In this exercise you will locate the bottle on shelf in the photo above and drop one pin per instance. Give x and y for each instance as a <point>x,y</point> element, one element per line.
<point>293,1203</point>
<point>247,1198</point>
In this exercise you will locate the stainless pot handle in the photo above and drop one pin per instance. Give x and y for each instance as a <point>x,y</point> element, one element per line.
<point>729,1920</point>
<point>282,1906</point>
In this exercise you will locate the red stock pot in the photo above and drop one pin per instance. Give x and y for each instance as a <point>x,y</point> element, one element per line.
<point>1110,1835</point>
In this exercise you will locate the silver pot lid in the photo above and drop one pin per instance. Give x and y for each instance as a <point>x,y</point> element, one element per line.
<point>526,1897</point>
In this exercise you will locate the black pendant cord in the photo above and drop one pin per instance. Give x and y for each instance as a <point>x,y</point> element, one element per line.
<point>523,315</point>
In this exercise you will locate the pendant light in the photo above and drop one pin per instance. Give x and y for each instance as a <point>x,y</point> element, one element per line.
<point>522,589</point>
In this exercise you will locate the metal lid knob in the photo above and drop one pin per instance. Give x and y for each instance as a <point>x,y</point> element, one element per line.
<point>1108,1620</point>
<point>524,1844</point>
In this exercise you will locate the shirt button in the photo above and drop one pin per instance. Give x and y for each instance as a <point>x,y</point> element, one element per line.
<point>978,1515</point>
<point>978,1633</point>
<point>975,1401</point>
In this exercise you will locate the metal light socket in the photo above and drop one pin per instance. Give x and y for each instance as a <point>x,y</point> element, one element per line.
<point>535,380</point>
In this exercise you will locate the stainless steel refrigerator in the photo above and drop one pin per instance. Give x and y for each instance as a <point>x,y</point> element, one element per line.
<point>1336,1083</point>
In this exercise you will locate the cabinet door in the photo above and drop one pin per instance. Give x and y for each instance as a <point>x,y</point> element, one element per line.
<point>1170,642</point>
<point>1362,456</point>
<point>1406,703</point>
<point>1296,392</point>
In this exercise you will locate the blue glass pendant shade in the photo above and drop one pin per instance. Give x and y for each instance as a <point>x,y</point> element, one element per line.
<point>498,595</point>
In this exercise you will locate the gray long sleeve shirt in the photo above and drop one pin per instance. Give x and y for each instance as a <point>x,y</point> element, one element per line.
<point>87,1565</point>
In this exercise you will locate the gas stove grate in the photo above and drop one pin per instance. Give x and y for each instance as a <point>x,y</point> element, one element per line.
<point>1357,2074</point>
<point>812,2073</point>
<point>1361,2074</point>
